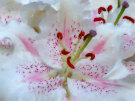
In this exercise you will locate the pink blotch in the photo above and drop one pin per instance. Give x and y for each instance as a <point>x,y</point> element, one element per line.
<point>29,46</point>
<point>106,84</point>
<point>94,15</point>
<point>66,34</point>
<point>37,77</point>
<point>99,47</point>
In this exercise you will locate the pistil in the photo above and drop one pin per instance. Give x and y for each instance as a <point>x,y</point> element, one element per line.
<point>124,6</point>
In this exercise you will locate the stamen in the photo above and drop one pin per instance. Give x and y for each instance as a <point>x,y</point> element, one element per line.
<point>82,33</point>
<point>64,52</point>
<point>86,36</point>
<point>80,59</point>
<point>69,74</point>
<point>109,9</point>
<point>92,34</point>
<point>75,48</point>
<point>129,18</point>
<point>124,6</point>
<point>101,9</point>
<point>37,29</point>
<point>69,63</point>
<point>59,35</point>
<point>90,55</point>
<point>99,19</point>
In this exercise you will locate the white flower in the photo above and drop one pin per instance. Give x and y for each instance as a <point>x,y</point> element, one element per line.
<point>39,67</point>
<point>124,30</point>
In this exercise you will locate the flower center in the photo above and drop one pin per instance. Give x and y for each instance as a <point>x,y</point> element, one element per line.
<point>75,54</point>
<point>73,57</point>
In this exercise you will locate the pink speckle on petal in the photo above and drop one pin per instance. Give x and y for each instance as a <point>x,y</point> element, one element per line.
<point>93,87</point>
<point>33,74</point>
<point>128,42</point>
<point>131,66</point>
<point>95,71</point>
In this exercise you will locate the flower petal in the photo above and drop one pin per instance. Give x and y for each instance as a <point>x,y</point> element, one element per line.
<point>99,91</point>
<point>119,71</point>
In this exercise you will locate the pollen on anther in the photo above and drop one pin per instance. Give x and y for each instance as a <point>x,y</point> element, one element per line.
<point>64,52</point>
<point>99,19</point>
<point>90,55</point>
<point>82,33</point>
<point>129,18</point>
<point>59,35</point>
<point>109,8</point>
<point>101,9</point>
<point>69,63</point>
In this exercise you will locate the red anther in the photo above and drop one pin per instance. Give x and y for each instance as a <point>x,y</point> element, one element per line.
<point>69,63</point>
<point>101,9</point>
<point>129,18</point>
<point>109,8</point>
<point>64,52</point>
<point>90,55</point>
<point>82,33</point>
<point>99,19</point>
<point>59,35</point>
<point>86,36</point>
